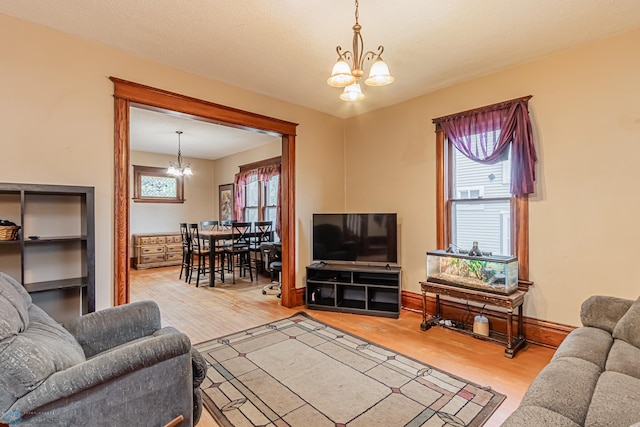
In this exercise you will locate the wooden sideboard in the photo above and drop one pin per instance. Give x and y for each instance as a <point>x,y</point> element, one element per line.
<point>157,250</point>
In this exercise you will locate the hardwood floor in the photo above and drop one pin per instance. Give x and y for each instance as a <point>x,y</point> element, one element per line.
<point>204,313</point>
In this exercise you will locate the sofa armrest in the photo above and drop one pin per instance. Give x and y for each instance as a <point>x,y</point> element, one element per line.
<point>111,327</point>
<point>107,367</point>
<point>603,312</point>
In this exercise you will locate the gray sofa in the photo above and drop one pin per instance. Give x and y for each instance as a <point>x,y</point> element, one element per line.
<point>114,367</point>
<point>593,378</point>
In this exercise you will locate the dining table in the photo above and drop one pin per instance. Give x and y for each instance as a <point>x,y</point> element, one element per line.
<point>215,235</point>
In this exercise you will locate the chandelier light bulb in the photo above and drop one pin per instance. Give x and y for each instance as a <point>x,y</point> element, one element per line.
<point>352,93</point>
<point>379,74</point>
<point>341,75</point>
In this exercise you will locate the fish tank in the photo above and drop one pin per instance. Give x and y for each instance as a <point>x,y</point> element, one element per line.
<point>494,273</point>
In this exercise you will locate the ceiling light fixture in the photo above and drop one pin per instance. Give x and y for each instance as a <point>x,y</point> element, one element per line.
<point>178,168</point>
<point>347,75</point>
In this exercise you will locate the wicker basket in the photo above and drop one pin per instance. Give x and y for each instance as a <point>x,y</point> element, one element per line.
<point>9,232</point>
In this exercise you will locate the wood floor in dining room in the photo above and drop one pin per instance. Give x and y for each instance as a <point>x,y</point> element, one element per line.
<point>205,313</point>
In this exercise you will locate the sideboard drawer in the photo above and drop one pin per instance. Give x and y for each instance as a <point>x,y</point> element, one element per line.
<point>174,239</point>
<point>145,250</point>
<point>173,247</point>
<point>174,256</point>
<point>146,259</point>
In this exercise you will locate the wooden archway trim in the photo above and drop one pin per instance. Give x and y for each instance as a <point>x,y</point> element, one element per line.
<point>126,93</point>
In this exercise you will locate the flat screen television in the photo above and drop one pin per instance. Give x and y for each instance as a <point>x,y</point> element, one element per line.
<point>355,237</point>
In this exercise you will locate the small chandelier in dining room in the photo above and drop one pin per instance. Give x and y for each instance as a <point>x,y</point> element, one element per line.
<point>348,69</point>
<point>178,168</point>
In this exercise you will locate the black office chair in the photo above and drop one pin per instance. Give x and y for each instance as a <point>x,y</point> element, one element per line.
<point>272,253</point>
<point>263,232</point>
<point>237,253</point>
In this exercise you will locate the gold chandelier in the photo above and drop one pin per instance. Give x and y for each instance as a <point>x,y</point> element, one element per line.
<point>348,69</point>
<point>178,168</point>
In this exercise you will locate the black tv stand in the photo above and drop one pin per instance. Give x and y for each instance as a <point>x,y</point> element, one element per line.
<point>352,288</point>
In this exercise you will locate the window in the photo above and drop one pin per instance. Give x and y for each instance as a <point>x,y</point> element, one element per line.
<point>260,199</point>
<point>153,185</point>
<point>479,200</point>
<point>252,199</point>
<point>457,217</point>
<point>486,135</point>
<point>271,199</point>
<point>258,188</point>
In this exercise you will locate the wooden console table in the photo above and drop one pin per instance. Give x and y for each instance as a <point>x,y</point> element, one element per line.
<point>508,302</point>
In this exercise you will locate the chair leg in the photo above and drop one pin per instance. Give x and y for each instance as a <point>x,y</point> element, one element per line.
<point>199,270</point>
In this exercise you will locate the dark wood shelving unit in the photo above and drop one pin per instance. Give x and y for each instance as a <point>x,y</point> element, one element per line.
<point>57,268</point>
<point>74,282</point>
<point>360,289</point>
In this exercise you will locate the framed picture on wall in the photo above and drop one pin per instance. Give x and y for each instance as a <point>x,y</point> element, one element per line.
<point>226,202</point>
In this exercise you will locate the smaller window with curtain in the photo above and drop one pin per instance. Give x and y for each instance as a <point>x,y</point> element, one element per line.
<point>258,193</point>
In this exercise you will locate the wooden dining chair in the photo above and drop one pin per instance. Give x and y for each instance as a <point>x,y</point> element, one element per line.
<point>237,253</point>
<point>199,256</point>
<point>209,226</point>
<point>186,252</point>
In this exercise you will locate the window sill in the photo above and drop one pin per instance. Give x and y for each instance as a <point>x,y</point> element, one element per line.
<point>153,200</point>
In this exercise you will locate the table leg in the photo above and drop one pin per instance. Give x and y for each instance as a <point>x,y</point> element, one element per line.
<point>509,329</point>
<point>423,325</point>
<point>426,325</point>
<point>520,331</point>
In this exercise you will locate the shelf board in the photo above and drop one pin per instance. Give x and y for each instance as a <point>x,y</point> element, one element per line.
<point>9,242</point>
<point>75,282</point>
<point>54,239</point>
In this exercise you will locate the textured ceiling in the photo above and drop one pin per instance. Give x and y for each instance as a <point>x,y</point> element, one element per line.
<point>286,48</point>
<point>155,132</point>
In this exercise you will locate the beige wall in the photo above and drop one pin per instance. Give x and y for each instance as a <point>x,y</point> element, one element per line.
<point>57,123</point>
<point>199,194</point>
<point>583,216</point>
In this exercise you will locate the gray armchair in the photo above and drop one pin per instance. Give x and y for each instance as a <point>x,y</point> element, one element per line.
<point>112,367</point>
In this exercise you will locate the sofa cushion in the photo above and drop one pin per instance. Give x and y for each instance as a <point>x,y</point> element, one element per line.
<point>565,386</point>
<point>537,416</point>
<point>603,312</point>
<point>590,344</point>
<point>30,357</point>
<point>628,328</point>
<point>14,306</point>
<point>624,358</point>
<point>615,402</point>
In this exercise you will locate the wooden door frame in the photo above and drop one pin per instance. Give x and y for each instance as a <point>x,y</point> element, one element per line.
<point>127,93</point>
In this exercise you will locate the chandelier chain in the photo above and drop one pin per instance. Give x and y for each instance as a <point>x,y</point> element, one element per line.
<point>357,15</point>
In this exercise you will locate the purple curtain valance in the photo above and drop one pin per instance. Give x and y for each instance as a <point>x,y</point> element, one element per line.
<point>485,134</point>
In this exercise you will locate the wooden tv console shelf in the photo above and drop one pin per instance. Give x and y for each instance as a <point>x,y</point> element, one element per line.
<point>510,302</point>
<point>358,289</point>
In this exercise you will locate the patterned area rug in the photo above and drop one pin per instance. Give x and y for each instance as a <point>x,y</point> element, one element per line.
<point>301,372</point>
